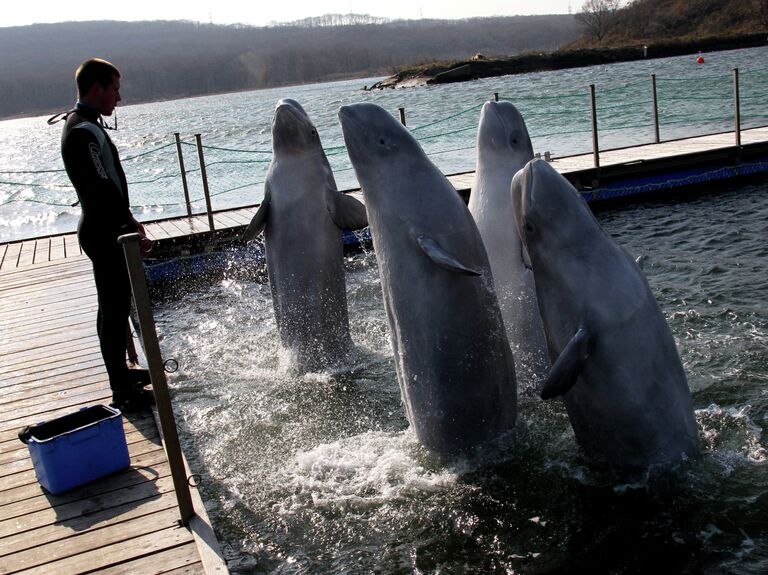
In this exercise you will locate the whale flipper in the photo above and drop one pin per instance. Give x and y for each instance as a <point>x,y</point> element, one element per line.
<point>568,366</point>
<point>259,221</point>
<point>346,211</point>
<point>442,258</point>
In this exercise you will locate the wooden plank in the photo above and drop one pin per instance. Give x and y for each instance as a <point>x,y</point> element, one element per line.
<point>240,217</point>
<point>176,561</point>
<point>57,248</point>
<point>157,231</point>
<point>45,553</point>
<point>31,382</point>
<point>79,315</point>
<point>45,357</point>
<point>75,387</point>
<point>224,221</point>
<point>81,513</point>
<point>179,229</point>
<point>116,553</point>
<point>62,531</point>
<point>27,255</point>
<point>42,250</point>
<point>72,246</point>
<point>11,258</point>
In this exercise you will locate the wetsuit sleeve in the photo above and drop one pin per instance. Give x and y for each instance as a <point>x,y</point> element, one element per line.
<point>100,197</point>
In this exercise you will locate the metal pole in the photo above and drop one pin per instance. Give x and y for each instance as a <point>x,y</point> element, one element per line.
<point>737,103</point>
<point>402,115</point>
<point>595,145</point>
<point>183,174</point>
<point>204,175</point>
<point>130,244</point>
<point>655,110</point>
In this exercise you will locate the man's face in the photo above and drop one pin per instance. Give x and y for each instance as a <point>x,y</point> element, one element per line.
<point>106,98</point>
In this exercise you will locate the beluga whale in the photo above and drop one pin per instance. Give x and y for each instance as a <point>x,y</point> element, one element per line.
<point>451,355</point>
<point>615,362</point>
<point>503,148</point>
<point>302,216</point>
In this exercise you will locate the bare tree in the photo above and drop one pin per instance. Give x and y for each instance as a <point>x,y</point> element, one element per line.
<point>597,17</point>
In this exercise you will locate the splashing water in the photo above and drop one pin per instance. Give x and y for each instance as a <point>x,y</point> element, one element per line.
<point>319,473</point>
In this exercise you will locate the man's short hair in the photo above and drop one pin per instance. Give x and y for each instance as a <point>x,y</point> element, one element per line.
<point>92,71</point>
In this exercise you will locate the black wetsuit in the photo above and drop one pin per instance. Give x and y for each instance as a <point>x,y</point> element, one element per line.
<point>93,166</point>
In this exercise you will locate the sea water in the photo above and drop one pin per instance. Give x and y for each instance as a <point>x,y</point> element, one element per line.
<point>320,473</point>
<point>36,196</point>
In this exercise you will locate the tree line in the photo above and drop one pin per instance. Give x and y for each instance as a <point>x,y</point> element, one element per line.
<point>176,59</point>
<point>621,22</point>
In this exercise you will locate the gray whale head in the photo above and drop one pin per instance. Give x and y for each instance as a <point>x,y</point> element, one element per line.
<point>502,130</point>
<point>292,130</point>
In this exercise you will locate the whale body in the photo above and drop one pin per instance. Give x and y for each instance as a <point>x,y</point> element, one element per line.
<point>503,148</point>
<point>452,358</point>
<point>615,362</point>
<point>302,216</point>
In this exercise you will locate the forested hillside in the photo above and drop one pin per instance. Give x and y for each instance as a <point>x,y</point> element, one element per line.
<point>646,21</point>
<point>164,60</point>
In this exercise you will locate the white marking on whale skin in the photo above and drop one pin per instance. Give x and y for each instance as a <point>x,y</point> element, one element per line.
<point>614,358</point>
<point>503,148</point>
<point>453,362</point>
<point>302,216</point>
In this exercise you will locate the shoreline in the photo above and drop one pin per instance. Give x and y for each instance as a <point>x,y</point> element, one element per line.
<point>481,67</point>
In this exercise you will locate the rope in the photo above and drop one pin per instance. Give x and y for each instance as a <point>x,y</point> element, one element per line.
<point>472,109</point>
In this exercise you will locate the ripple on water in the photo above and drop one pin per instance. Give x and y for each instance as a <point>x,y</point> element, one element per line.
<point>320,473</point>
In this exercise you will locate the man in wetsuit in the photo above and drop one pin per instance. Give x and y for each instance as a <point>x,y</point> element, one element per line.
<point>93,166</point>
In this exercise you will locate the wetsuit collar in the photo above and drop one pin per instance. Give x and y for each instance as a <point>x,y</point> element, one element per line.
<point>87,110</point>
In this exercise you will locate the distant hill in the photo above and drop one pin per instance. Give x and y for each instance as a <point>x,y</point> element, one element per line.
<point>641,29</point>
<point>648,21</point>
<point>172,59</point>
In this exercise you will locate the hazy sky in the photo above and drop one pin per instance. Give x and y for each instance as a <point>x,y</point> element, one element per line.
<point>21,12</point>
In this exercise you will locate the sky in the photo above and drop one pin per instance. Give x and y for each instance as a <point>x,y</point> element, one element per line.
<point>22,13</point>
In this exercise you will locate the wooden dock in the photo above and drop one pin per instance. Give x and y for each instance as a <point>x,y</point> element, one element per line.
<point>51,365</point>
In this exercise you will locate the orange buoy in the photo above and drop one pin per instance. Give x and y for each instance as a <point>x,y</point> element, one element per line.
<point>700,60</point>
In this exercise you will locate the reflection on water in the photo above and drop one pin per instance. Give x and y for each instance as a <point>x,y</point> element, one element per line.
<point>320,474</point>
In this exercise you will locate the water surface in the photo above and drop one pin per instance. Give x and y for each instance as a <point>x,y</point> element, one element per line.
<point>320,473</point>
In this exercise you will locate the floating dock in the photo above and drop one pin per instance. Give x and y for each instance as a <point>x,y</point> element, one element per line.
<point>51,365</point>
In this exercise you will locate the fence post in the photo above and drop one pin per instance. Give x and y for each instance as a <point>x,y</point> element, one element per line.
<point>737,104</point>
<point>204,175</point>
<point>183,174</point>
<point>595,145</point>
<point>130,244</point>
<point>495,96</point>
<point>655,110</point>
<point>402,115</point>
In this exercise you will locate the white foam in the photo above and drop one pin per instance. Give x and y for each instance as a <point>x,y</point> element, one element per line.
<point>365,470</point>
